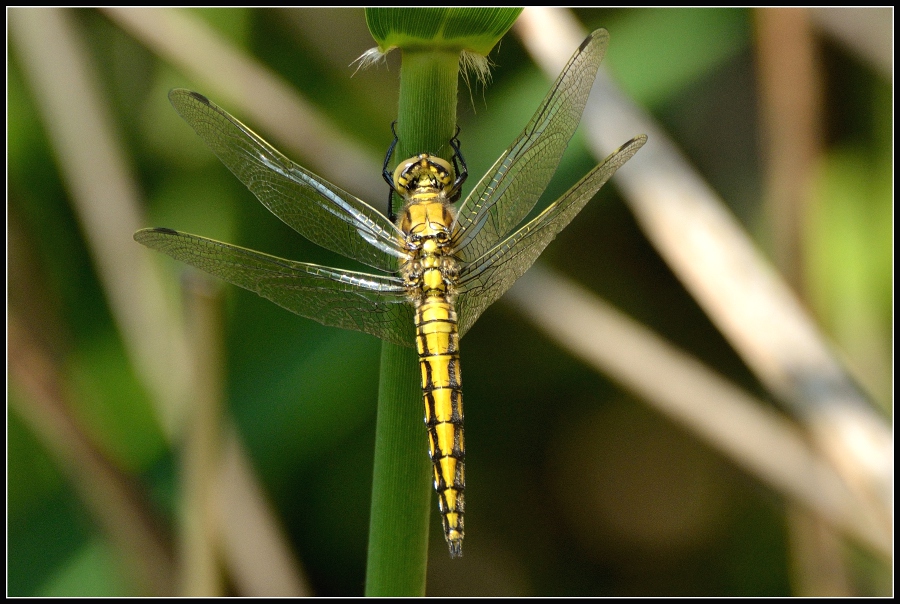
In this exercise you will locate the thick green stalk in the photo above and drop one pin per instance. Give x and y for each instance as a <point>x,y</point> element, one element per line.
<point>401,489</point>
<point>427,114</point>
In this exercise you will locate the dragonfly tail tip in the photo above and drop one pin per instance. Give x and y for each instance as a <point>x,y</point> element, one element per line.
<point>455,549</point>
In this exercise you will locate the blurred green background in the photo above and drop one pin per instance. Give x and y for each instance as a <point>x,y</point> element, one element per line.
<point>574,487</point>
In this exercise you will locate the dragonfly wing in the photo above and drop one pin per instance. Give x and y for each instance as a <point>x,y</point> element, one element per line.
<point>483,281</point>
<point>373,304</point>
<point>509,190</point>
<point>318,210</point>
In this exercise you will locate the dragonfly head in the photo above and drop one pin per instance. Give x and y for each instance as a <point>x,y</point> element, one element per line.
<point>424,172</point>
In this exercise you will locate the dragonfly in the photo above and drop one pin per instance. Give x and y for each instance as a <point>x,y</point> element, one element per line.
<point>441,263</point>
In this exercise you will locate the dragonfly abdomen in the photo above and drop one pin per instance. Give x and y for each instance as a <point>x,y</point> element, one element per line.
<point>437,342</point>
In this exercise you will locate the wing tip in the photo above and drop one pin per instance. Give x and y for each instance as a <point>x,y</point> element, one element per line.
<point>638,141</point>
<point>180,92</point>
<point>631,147</point>
<point>598,34</point>
<point>625,152</point>
<point>199,97</point>
<point>143,234</point>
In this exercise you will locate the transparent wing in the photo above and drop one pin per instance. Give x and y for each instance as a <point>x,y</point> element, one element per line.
<point>483,281</point>
<point>318,210</point>
<point>509,190</point>
<point>373,304</point>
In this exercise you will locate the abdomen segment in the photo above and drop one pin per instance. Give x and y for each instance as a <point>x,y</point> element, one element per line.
<point>437,342</point>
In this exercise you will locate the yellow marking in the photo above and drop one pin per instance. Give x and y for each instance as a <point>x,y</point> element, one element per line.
<point>432,280</point>
<point>436,213</point>
<point>439,370</point>
<point>448,465</point>
<point>441,340</point>
<point>446,433</point>
<point>450,494</point>
<point>443,408</point>
<point>417,213</point>
<point>436,311</point>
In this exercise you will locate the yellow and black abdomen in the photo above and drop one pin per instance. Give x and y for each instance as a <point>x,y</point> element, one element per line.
<point>437,342</point>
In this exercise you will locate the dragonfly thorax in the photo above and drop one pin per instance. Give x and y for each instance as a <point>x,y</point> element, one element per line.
<point>431,268</point>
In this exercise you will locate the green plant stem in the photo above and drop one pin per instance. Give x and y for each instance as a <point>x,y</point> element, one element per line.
<point>401,485</point>
<point>401,491</point>
<point>426,117</point>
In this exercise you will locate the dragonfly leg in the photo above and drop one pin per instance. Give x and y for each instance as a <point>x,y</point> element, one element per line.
<point>386,174</point>
<point>461,174</point>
